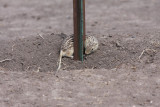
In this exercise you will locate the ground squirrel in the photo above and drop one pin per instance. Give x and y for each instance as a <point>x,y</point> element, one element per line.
<point>67,48</point>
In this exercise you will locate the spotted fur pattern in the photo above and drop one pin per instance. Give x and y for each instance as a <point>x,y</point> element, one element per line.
<point>67,49</point>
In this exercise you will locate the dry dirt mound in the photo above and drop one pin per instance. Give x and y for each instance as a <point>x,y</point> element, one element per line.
<point>42,52</point>
<point>31,53</point>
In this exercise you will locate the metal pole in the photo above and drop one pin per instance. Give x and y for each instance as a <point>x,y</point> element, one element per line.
<point>81,31</point>
<point>75,18</point>
<point>79,28</point>
<point>84,23</point>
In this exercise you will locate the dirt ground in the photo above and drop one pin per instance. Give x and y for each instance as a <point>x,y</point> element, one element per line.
<point>123,72</point>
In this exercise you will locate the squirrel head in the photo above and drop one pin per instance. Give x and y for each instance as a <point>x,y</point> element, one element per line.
<point>91,44</point>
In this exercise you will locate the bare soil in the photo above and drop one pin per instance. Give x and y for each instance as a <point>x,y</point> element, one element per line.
<point>123,72</point>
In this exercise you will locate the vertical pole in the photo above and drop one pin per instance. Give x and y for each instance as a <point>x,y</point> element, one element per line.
<point>76,33</point>
<point>84,24</point>
<point>81,31</point>
<point>79,28</point>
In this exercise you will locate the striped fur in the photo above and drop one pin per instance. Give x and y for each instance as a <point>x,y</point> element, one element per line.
<point>67,49</point>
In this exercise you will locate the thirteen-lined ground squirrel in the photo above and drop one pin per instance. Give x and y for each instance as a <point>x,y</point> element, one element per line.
<point>67,48</point>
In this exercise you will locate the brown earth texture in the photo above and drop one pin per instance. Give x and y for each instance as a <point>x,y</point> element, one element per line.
<point>123,72</point>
